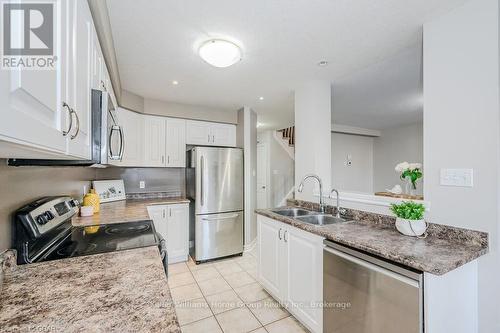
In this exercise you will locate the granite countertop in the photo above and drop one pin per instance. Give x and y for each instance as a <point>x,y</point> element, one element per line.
<point>98,293</point>
<point>125,211</point>
<point>444,249</point>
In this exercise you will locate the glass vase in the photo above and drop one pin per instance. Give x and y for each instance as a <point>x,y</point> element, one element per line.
<point>410,188</point>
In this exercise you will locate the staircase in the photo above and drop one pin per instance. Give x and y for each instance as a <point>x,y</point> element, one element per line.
<point>288,134</point>
<point>286,138</point>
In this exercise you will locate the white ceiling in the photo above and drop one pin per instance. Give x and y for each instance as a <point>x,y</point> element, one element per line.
<point>156,42</point>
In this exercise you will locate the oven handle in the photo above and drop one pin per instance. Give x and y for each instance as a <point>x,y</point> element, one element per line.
<point>162,247</point>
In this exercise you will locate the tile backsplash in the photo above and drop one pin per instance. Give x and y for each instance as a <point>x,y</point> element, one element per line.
<point>155,179</point>
<point>21,185</point>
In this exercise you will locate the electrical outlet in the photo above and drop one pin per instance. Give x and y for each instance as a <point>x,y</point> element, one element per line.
<point>457,177</point>
<point>142,184</point>
<point>349,160</point>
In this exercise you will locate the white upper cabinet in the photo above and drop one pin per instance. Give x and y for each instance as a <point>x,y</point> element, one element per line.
<point>198,132</point>
<point>210,134</point>
<point>133,138</point>
<point>154,141</point>
<point>31,100</point>
<point>78,83</point>
<point>175,138</point>
<point>48,111</point>
<point>223,135</point>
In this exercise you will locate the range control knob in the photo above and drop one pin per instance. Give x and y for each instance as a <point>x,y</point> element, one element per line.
<point>48,214</point>
<point>41,219</point>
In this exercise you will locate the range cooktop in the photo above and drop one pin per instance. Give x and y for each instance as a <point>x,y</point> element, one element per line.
<point>104,238</point>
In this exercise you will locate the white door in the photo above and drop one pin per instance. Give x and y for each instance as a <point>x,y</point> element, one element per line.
<point>303,276</point>
<point>159,216</point>
<point>269,238</point>
<point>198,133</point>
<point>132,124</point>
<point>154,141</point>
<point>177,232</point>
<point>262,176</point>
<point>223,135</point>
<point>176,142</point>
<point>31,108</point>
<point>79,78</point>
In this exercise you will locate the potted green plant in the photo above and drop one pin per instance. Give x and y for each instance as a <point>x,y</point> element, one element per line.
<point>410,218</point>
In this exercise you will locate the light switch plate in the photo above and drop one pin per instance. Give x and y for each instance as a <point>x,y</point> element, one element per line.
<point>457,177</point>
<point>142,184</point>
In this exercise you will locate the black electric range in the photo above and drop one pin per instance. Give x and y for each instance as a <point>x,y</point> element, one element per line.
<point>43,231</point>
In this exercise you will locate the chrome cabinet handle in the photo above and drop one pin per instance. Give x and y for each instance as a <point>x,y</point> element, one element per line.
<point>168,159</point>
<point>279,234</point>
<point>162,159</point>
<point>209,138</point>
<point>284,236</point>
<point>65,105</point>
<point>170,212</point>
<point>213,138</point>
<point>163,212</point>
<point>77,125</point>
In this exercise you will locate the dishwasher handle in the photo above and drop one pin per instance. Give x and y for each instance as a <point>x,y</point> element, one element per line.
<point>410,281</point>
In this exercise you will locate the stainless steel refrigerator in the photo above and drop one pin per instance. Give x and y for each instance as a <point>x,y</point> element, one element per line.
<point>215,187</point>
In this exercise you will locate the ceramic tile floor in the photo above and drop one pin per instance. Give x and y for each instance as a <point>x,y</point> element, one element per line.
<point>224,296</point>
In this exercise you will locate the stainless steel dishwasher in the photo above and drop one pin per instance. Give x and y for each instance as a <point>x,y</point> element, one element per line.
<point>363,294</point>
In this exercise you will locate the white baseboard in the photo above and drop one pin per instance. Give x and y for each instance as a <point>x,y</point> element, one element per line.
<point>176,259</point>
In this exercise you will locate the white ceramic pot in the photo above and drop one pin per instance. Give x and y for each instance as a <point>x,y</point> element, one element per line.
<point>411,227</point>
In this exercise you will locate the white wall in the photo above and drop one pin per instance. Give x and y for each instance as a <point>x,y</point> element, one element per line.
<point>162,108</point>
<point>313,115</point>
<point>281,169</point>
<point>357,177</point>
<point>396,145</point>
<point>248,121</point>
<point>462,129</point>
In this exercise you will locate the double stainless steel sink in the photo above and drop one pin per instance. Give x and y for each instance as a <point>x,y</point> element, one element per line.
<point>309,216</point>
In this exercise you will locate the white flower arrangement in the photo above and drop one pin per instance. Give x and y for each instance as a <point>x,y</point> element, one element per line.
<point>412,171</point>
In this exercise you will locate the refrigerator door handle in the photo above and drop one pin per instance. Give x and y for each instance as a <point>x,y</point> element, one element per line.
<point>230,217</point>
<point>202,189</point>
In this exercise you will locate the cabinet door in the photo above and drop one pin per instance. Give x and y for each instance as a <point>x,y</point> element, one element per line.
<point>132,124</point>
<point>97,64</point>
<point>79,78</point>
<point>154,141</point>
<point>31,108</point>
<point>177,232</point>
<point>303,283</point>
<point>176,142</point>
<point>198,133</point>
<point>269,238</point>
<point>223,135</point>
<point>159,216</point>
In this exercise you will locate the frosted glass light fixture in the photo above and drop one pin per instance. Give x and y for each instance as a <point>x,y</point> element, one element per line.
<point>220,53</point>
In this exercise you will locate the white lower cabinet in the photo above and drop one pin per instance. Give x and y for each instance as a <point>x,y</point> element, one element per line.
<point>172,222</point>
<point>290,268</point>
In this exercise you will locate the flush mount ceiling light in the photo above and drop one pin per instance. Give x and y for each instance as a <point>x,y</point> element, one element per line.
<point>261,98</point>
<point>322,63</point>
<point>175,82</point>
<point>220,53</point>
